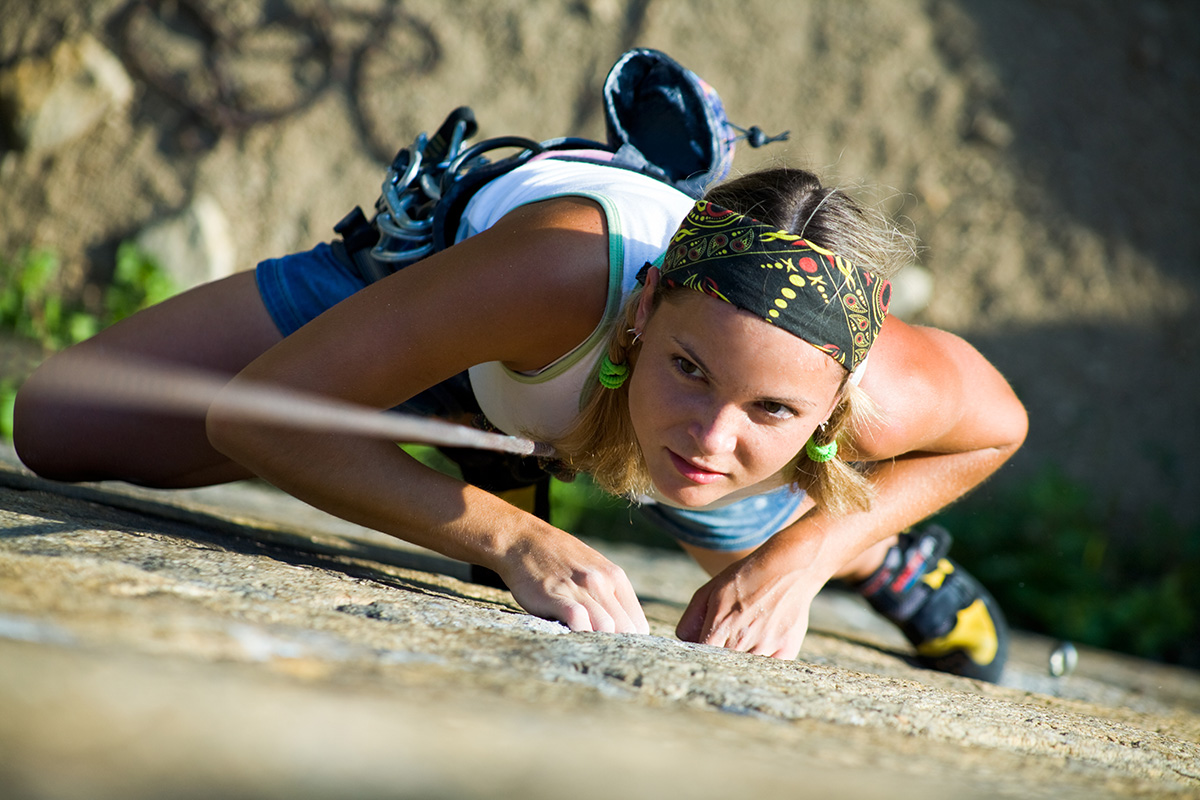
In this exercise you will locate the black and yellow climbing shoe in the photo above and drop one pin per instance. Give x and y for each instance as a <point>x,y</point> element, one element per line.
<point>952,621</point>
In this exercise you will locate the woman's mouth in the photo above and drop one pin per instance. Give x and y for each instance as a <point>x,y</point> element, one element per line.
<point>692,472</point>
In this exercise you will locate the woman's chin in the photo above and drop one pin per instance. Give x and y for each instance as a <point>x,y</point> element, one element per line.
<point>680,491</point>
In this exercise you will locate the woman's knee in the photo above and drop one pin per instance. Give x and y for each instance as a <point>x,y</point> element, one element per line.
<point>43,424</point>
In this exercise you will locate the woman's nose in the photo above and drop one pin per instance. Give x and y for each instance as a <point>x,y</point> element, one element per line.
<point>714,429</point>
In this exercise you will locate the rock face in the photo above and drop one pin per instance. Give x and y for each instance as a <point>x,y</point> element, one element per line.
<point>194,246</point>
<point>48,102</point>
<point>235,643</point>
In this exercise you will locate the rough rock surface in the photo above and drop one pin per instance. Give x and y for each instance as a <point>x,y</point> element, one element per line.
<point>233,642</point>
<point>49,102</point>
<point>195,246</point>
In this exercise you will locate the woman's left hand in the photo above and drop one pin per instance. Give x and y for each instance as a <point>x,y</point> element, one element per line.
<point>751,607</point>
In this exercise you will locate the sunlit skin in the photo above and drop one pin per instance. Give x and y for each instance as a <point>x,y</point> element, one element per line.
<point>721,401</point>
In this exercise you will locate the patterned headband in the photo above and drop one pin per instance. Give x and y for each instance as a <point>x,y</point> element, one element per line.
<point>808,291</point>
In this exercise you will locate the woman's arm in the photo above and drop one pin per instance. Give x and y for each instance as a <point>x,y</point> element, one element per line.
<point>524,292</point>
<point>947,421</point>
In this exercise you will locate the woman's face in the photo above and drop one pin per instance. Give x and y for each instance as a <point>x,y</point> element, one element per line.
<point>721,400</point>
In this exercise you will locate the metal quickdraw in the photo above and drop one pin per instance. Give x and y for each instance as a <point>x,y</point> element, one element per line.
<point>404,228</point>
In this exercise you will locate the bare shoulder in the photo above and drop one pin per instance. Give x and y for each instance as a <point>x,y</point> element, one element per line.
<point>934,392</point>
<point>562,269</point>
<point>548,263</point>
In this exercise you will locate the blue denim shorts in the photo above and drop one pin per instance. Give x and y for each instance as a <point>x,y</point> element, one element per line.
<point>738,526</point>
<point>298,288</point>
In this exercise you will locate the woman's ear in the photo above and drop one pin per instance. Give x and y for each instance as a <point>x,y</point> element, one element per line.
<point>645,305</point>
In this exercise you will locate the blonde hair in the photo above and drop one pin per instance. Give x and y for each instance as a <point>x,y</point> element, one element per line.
<point>601,441</point>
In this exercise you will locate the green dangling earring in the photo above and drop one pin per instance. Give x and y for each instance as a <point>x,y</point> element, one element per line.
<point>612,376</point>
<point>820,453</point>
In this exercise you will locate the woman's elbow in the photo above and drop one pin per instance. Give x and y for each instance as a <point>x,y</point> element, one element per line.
<point>1015,426</point>
<point>254,428</point>
<point>226,428</point>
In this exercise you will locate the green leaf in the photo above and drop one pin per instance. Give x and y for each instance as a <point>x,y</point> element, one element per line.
<point>8,398</point>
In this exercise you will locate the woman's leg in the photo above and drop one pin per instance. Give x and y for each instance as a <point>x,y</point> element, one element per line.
<point>62,433</point>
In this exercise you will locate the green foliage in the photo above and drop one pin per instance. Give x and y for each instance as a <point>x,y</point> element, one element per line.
<point>583,509</point>
<point>138,281</point>
<point>8,395</point>
<point>432,458</point>
<point>30,307</point>
<point>1062,565</point>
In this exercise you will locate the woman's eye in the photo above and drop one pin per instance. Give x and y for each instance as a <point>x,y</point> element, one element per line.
<point>686,367</point>
<point>776,409</point>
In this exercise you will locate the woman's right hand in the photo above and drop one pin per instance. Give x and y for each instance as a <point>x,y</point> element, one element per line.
<point>559,577</point>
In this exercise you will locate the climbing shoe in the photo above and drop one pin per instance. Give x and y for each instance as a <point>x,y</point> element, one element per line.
<point>952,621</point>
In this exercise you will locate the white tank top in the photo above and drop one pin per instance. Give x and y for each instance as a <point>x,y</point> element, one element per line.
<point>641,213</point>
